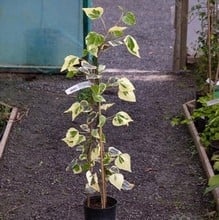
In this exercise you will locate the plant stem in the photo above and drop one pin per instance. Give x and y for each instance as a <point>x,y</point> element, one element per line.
<point>103,176</point>
<point>209,44</point>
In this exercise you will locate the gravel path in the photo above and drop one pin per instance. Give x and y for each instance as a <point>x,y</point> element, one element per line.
<point>153,31</point>
<point>169,180</point>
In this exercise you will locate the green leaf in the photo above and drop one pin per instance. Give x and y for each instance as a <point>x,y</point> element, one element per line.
<point>216,166</point>
<point>213,183</point>
<point>93,42</point>
<point>132,45</point>
<point>102,121</point>
<point>123,162</point>
<point>77,169</point>
<point>129,18</point>
<point>75,109</point>
<point>95,133</point>
<point>93,13</point>
<point>117,31</point>
<point>116,180</point>
<point>121,118</point>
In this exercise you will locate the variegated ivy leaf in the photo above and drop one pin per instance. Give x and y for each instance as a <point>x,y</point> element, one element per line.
<point>128,96</point>
<point>125,85</point>
<point>132,45</point>
<point>127,186</point>
<point>116,180</point>
<point>95,153</point>
<point>121,118</point>
<point>106,106</point>
<point>87,65</point>
<point>129,18</point>
<point>75,109</point>
<point>117,31</point>
<point>95,133</point>
<point>69,63</point>
<point>73,138</point>
<point>123,162</point>
<point>93,13</point>
<point>91,117</point>
<point>76,169</point>
<point>114,152</point>
<point>102,121</point>
<point>85,106</point>
<point>92,180</point>
<point>93,42</point>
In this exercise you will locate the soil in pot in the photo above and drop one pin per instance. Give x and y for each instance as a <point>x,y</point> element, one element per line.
<point>94,212</point>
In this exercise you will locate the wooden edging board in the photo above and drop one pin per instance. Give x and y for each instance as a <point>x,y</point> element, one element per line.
<point>7,130</point>
<point>201,150</point>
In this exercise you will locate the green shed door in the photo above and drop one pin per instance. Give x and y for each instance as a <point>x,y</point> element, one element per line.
<point>40,33</point>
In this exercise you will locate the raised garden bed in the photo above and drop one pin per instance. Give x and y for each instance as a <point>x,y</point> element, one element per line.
<point>8,117</point>
<point>187,108</point>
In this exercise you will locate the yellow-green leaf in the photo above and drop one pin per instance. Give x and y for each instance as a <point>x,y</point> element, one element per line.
<point>95,153</point>
<point>116,180</point>
<point>128,96</point>
<point>92,180</point>
<point>121,118</point>
<point>102,121</point>
<point>125,84</point>
<point>129,18</point>
<point>73,137</point>
<point>123,162</point>
<point>75,109</point>
<point>132,45</point>
<point>106,106</point>
<point>69,62</point>
<point>93,13</point>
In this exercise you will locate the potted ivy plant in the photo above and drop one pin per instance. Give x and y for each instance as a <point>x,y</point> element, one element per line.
<point>101,162</point>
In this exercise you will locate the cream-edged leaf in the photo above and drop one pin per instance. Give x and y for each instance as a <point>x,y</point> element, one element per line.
<point>121,118</point>
<point>123,162</point>
<point>75,109</point>
<point>116,180</point>
<point>132,45</point>
<point>92,180</point>
<point>93,13</point>
<point>73,137</point>
<point>125,84</point>
<point>106,106</point>
<point>95,153</point>
<point>128,96</point>
<point>69,62</point>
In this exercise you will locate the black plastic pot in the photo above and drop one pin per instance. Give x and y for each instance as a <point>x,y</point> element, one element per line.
<point>95,213</point>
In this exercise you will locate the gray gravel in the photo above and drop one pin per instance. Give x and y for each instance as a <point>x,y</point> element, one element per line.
<point>153,31</point>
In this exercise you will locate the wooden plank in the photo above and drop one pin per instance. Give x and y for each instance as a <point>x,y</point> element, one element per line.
<point>184,28</point>
<point>181,26</point>
<point>201,150</point>
<point>7,130</point>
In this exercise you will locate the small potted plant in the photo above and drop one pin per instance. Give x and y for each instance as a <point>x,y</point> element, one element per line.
<point>100,162</point>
